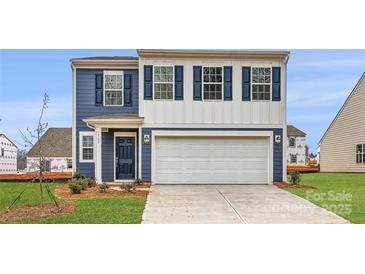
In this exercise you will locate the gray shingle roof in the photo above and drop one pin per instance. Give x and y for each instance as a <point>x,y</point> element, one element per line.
<point>56,142</point>
<point>117,58</point>
<point>292,131</point>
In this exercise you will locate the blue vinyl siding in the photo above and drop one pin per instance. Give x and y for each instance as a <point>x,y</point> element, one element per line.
<point>278,150</point>
<point>85,107</point>
<point>146,156</point>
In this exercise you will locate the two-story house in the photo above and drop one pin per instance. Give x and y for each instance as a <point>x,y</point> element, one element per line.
<point>8,155</point>
<point>181,116</point>
<point>297,149</point>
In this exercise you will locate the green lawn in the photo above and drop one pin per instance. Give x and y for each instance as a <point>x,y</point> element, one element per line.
<point>123,210</point>
<point>341,193</point>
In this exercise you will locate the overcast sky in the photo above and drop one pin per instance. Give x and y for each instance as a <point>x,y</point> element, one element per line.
<point>319,81</point>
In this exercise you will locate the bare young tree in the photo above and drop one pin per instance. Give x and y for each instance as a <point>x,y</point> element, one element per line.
<point>32,137</point>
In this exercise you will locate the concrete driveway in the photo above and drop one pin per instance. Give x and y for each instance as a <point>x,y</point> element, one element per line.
<point>231,204</point>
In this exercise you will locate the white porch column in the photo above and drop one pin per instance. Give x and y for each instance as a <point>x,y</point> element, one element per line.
<point>98,155</point>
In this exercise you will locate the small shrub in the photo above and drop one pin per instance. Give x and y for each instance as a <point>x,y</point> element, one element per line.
<point>77,175</point>
<point>83,184</point>
<point>75,188</point>
<point>90,182</point>
<point>295,178</point>
<point>103,188</point>
<point>129,187</point>
<point>138,182</point>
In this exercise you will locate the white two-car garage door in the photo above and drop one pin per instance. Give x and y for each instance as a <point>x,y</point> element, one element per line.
<point>215,160</point>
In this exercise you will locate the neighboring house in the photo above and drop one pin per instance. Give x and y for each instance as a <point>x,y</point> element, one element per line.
<point>297,150</point>
<point>56,147</point>
<point>181,116</point>
<point>342,147</point>
<point>8,155</point>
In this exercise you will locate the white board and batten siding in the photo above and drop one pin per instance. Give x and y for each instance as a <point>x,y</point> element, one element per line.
<point>235,113</point>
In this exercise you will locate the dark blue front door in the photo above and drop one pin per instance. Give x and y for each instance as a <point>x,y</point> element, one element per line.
<point>125,158</point>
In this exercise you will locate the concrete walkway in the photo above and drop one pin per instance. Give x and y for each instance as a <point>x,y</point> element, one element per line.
<point>231,204</point>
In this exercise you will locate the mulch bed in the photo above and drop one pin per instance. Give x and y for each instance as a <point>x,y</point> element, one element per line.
<point>63,191</point>
<point>286,185</point>
<point>33,212</point>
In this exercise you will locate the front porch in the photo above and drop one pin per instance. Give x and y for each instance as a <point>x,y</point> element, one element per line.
<point>117,147</point>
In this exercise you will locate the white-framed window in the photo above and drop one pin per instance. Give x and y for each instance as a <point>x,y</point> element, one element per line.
<point>113,88</point>
<point>261,83</point>
<point>212,83</point>
<point>163,82</point>
<point>86,146</point>
<point>292,142</point>
<point>360,154</point>
<point>293,158</point>
<point>2,152</point>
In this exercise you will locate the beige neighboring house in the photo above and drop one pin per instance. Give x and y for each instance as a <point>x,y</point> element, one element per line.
<point>57,149</point>
<point>296,148</point>
<point>342,147</point>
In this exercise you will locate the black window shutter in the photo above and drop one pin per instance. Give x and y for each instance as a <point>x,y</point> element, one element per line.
<point>197,83</point>
<point>127,89</point>
<point>99,89</point>
<point>246,83</point>
<point>276,85</point>
<point>148,82</point>
<point>179,82</point>
<point>227,83</point>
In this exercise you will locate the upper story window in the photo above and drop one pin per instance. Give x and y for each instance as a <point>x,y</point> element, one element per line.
<point>212,83</point>
<point>261,84</point>
<point>360,153</point>
<point>113,88</point>
<point>291,142</point>
<point>2,152</point>
<point>86,146</point>
<point>163,82</point>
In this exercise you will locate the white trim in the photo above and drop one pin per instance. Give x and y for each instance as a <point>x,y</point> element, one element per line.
<point>139,152</point>
<point>74,143</point>
<point>86,133</point>
<point>211,125</point>
<point>222,91</point>
<point>125,134</point>
<point>113,72</point>
<point>173,82</point>
<point>261,66</point>
<point>213,133</point>
<point>115,123</point>
<point>283,81</point>
<point>98,155</point>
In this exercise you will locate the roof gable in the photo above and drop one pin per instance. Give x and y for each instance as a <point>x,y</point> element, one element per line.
<point>56,142</point>
<point>292,131</point>
<point>3,135</point>
<point>354,90</point>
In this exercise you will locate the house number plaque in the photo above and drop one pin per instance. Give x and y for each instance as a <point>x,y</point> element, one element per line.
<point>146,138</point>
<point>277,139</point>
